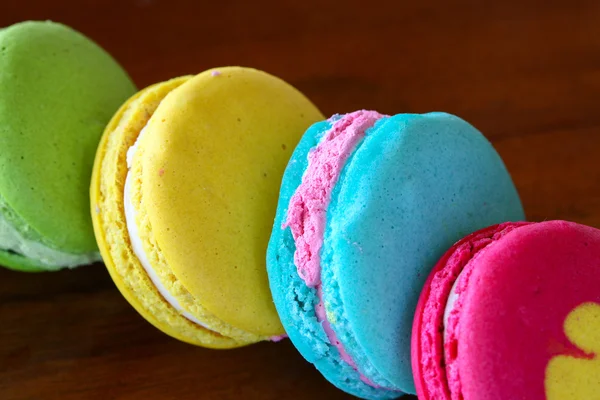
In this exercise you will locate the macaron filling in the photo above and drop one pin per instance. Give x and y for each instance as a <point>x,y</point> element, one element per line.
<point>14,241</point>
<point>308,206</point>
<point>136,241</point>
<point>307,210</point>
<point>440,327</point>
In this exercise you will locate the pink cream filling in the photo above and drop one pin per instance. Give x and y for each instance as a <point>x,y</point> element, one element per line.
<point>308,208</point>
<point>278,338</point>
<point>335,341</point>
<point>439,356</point>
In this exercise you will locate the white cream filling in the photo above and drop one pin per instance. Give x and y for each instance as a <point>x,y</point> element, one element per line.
<point>13,240</point>
<point>452,299</point>
<point>136,242</point>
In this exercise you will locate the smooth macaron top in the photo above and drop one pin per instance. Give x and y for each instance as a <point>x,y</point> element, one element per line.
<point>512,311</point>
<point>209,154</point>
<point>215,154</point>
<point>411,186</point>
<point>58,90</point>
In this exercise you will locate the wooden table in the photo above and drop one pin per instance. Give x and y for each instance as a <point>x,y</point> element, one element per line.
<point>526,73</point>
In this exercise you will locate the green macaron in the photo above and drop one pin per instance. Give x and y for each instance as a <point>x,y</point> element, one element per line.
<point>58,90</point>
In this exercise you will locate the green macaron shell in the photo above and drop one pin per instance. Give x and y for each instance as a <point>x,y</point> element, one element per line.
<point>12,260</point>
<point>27,251</point>
<point>19,263</point>
<point>58,90</point>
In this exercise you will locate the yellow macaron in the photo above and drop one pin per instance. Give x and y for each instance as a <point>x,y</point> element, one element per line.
<point>183,196</point>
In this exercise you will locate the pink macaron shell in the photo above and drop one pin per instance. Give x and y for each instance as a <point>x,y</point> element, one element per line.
<point>512,319</point>
<point>427,338</point>
<point>508,322</point>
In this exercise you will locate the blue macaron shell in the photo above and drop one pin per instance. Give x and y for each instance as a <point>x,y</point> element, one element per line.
<point>295,301</point>
<point>415,185</point>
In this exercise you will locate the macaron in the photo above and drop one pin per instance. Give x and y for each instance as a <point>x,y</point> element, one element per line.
<point>367,206</point>
<point>512,312</point>
<point>58,90</point>
<point>183,196</point>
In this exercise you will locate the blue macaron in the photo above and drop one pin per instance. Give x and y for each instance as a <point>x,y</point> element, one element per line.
<point>368,204</point>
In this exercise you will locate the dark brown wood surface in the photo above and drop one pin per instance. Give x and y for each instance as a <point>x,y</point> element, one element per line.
<point>526,73</point>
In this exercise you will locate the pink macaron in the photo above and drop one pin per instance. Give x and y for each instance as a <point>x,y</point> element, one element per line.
<point>512,312</point>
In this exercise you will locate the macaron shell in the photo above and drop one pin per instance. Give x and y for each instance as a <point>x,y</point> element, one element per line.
<point>428,363</point>
<point>220,147</point>
<point>106,192</point>
<point>294,300</point>
<point>415,185</point>
<point>58,90</point>
<point>159,264</point>
<point>517,335</point>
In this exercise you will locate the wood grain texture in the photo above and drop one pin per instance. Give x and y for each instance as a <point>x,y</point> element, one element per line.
<point>526,73</point>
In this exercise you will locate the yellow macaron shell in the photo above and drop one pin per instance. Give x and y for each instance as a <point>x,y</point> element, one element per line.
<point>107,189</point>
<point>159,264</point>
<point>214,155</point>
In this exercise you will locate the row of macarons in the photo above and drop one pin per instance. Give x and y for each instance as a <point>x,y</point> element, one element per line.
<point>228,210</point>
